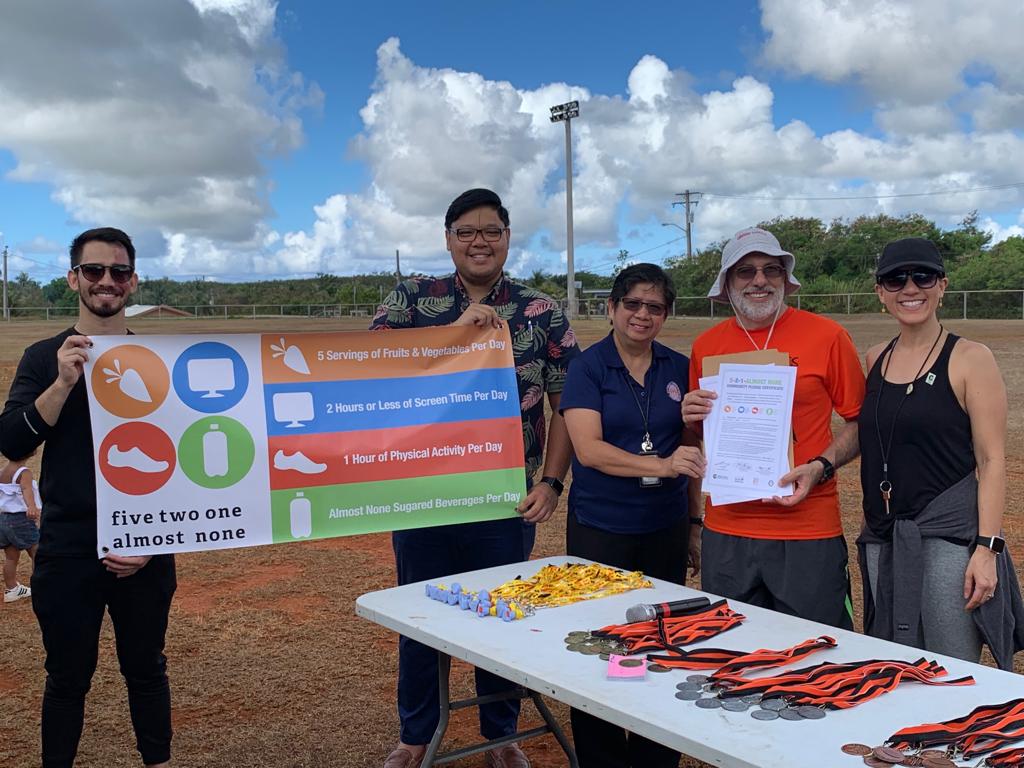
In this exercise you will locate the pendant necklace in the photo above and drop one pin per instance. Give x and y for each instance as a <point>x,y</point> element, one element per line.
<point>885,487</point>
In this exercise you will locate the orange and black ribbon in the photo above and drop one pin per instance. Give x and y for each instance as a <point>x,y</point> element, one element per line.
<point>842,686</point>
<point>698,658</point>
<point>733,673</point>
<point>983,729</point>
<point>1006,758</point>
<point>668,634</point>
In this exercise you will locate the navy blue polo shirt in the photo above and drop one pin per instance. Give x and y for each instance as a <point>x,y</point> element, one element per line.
<point>599,381</point>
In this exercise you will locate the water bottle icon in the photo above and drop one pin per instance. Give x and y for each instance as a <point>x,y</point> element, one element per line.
<point>215,452</point>
<point>301,514</point>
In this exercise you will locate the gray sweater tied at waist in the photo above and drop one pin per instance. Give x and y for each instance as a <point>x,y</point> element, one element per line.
<point>894,613</point>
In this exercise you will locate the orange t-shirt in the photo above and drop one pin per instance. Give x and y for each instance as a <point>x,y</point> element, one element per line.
<point>829,378</point>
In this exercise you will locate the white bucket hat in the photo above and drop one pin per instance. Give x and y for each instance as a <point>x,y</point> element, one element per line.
<point>752,240</point>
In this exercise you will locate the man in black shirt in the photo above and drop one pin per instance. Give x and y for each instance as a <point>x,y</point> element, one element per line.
<point>70,586</point>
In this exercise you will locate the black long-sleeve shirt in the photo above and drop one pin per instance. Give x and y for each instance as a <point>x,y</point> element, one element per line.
<point>67,480</point>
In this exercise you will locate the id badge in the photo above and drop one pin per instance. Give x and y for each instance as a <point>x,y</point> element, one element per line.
<point>649,482</point>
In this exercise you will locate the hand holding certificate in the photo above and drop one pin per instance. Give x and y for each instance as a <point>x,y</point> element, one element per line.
<point>746,435</point>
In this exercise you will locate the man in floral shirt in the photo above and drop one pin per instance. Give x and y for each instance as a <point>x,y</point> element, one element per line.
<point>479,293</point>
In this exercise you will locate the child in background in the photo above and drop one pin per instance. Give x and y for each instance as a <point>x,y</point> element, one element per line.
<point>19,522</point>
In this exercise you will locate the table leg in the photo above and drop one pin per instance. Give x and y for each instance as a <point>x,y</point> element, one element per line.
<point>446,705</point>
<point>555,728</point>
<point>444,666</point>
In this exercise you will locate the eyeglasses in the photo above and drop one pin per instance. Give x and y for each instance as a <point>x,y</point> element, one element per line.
<point>895,281</point>
<point>747,272</point>
<point>633,305</point>
<point>468,234</point>
<point>119,273</point>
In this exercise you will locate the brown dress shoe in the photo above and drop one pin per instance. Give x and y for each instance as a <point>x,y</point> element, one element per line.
<point>509,756</point>
<point>402,758</point>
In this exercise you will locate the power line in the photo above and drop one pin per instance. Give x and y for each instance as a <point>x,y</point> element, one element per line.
<point>656,247</point>
<point>1015,185</point>
<point>638,253</point>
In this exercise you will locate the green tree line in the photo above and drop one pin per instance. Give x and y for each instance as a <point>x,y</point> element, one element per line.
<point>837,257</point>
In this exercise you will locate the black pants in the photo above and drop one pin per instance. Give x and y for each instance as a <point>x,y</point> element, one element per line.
<point>429,553</point>
<point>69,595</point>
<point>663,555</point>
<point>773,573</point>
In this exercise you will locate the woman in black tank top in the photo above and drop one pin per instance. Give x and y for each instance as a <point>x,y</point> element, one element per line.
<point>933,420</point>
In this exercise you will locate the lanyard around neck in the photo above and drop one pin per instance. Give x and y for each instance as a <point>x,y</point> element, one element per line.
<point>646,445</point>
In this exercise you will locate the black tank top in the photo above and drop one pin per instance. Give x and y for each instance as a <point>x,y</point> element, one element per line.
<point>931,445</point>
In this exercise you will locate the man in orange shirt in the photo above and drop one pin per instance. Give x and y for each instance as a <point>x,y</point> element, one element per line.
<point>785,553</point>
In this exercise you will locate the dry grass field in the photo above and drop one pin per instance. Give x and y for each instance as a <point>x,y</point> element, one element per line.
<point>269,664</point>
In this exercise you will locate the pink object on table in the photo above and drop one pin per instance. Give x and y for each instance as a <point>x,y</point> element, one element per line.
<point>618,672</point>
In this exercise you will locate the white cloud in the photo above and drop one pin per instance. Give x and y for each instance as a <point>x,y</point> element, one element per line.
<point>165,125</point>
<point>1000,232</point>
<point>915,51</point>
<point>913,56</point>
<point>661,138</point>
<point>41,244</point>
<point>169,130</point>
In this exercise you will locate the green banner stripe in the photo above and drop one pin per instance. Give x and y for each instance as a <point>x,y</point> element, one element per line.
<point>322,512</point>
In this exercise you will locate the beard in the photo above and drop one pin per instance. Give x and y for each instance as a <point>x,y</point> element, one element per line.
<point>758,311</point>
<point>103,305</point>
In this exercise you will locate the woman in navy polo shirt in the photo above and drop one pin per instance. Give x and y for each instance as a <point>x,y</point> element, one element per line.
<point>628,500</point>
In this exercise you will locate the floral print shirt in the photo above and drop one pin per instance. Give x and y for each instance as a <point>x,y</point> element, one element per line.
<point>543,343</point>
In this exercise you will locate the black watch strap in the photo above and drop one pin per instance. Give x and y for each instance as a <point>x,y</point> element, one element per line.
<point>996,543</point>
<point>830,470</point>
<point>555,483</point>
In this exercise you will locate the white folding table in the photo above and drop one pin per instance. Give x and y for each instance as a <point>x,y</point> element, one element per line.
<point>531,653</point>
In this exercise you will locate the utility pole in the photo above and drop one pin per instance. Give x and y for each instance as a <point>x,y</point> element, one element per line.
<point>7,314</point>
<point>398,268</point>
<point>689,199</point>
<point>565,113</point>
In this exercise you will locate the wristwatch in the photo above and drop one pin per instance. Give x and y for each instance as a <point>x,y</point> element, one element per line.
<point>996,543</point>
<point>829,472</point>
<point>698,521</point>
<point>555,483</point>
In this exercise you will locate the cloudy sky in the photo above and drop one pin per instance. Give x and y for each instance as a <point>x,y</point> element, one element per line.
<point>235,138</point>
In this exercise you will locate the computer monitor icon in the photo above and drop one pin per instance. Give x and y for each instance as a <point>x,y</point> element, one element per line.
<point>211,374</point>
<point>293,407</point>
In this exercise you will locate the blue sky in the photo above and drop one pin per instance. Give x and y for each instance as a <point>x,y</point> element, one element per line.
<point>236,138</point>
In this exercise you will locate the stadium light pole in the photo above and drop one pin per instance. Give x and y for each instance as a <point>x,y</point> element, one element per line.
<point>565,113</point>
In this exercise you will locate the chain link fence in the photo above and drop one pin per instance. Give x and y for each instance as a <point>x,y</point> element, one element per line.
<point>967,305</point>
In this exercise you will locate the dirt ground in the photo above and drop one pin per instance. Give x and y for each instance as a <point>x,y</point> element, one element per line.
<point>270,666</point>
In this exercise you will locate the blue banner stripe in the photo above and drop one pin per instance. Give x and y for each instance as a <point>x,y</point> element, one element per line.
<point>344,406</point>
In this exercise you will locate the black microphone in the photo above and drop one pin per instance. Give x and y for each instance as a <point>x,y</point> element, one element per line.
<point>666,610</point>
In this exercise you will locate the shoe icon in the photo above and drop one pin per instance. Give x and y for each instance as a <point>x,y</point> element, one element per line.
<point>135,458</point>
<point>299,462</point>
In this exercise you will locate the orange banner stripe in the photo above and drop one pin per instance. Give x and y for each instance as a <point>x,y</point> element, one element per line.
<point>301,357</point>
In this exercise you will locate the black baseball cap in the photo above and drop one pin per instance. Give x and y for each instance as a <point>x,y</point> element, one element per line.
<point>910,252</point>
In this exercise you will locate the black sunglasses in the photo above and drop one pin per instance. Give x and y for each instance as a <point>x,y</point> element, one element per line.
<point>119,273</point>
<point>633,305</point>
<point>895,281</point>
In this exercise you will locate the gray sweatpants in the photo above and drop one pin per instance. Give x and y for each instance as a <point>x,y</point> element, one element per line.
<point>948,629</point>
